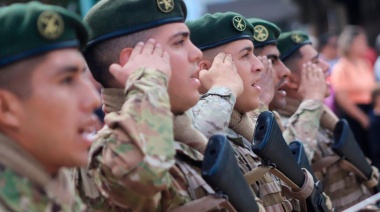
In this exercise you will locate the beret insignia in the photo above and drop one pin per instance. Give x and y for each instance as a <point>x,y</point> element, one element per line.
<point>261,33</point>
<point>297,38</point>
<point>50,25</point>
<point>166,6</point>
<point>239,23</point>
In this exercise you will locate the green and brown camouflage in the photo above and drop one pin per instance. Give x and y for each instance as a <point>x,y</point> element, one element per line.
<point>302,122</point>
<point>135,161</point>
<point>26,186</point>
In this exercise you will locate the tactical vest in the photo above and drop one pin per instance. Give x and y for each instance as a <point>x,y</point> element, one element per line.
<point>342,186</point>
<point>267,188</point>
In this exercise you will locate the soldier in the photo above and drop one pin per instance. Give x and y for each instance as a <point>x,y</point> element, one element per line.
<point>302,117</point>
<point>148,156</point>
<point>234,39</point>
<point>47,104</point>
<point>265,41</point>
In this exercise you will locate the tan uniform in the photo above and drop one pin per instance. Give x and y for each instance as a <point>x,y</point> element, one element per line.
<point>302,122</point>
<point>136,161</point>
<point>26,186</point>
<point>218,116</point>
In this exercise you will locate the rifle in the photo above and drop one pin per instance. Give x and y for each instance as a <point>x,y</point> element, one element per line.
<point>296,147</point>
<point>347,147</point>
<point>271,147</point>
<point>221,171</point>
<point>298,151</point>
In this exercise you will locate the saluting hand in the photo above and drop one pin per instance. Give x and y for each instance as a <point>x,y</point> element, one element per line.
<point>148,55</point>
<point>313,82</point>
<point>222,73</point>
<point>266,81</point>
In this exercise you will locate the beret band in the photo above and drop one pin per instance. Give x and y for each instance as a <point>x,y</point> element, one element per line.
<point>30,29</point>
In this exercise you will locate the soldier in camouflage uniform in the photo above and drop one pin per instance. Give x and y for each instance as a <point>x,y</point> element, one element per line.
<point>148,156</point>
<point>234,39</point>
<point>265,41</point>
<point>306,90</point>
<point>47,106</point>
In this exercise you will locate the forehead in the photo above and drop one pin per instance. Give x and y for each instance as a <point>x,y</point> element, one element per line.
<point>167,31</point>
<point>308,53</point>
<point>235,47</point>
<point>60,59</point>
<point>270,50</point>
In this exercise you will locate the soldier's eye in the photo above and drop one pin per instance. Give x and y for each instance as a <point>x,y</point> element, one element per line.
<point>67,80</point>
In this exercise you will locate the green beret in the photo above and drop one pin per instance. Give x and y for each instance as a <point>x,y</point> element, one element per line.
<point>115,18</point>
<point>289,42</point>
<point>34,28</point>
<point>211,31</point>
<point>265,32</point>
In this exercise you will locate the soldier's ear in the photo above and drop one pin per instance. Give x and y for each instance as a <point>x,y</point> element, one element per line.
<point>124,55</point>
<point>203,65</point>
<point>10,108</point>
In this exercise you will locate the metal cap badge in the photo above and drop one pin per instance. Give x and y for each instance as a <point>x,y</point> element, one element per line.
<point>166,6</point>
<point>261,33</point>
<point>50,25</point>
<point>239,23</point>
<point>297,38</point>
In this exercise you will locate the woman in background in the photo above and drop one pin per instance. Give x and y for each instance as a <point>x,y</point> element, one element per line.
<point>353,82</point>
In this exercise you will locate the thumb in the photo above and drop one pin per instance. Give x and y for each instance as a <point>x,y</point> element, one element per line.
<point>115,69</point>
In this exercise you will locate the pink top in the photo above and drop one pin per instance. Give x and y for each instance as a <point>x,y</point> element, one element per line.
<point>356,79</point>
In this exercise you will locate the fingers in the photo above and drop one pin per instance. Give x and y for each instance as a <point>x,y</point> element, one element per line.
<point>166,57</point>
<point>137,50</point>
<point>219,58</point>
<point>115,69</point>
<point>149,46</point>
<point>158,50</point>
<point>228,59</point>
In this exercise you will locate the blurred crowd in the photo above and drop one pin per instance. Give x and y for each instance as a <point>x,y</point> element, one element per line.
<point>354,84</point>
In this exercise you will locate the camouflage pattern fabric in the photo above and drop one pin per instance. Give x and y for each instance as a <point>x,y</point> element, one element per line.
<point>211,115</point>
<point>25,186</point>
<point>217,102</point>
<point>134,161</point>
<point>302,123</point>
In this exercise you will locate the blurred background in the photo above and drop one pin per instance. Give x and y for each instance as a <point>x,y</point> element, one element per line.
<point>314,16</point>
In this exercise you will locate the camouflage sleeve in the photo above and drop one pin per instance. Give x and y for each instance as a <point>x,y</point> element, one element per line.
<point>303,125</point>
<point>138,154</point>
<point>213,112</point>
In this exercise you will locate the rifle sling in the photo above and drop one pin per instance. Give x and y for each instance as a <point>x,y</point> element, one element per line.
<point>324,163</point>
<point>294,191</point>
<point>346,165</point>
<point>370,183</point>
<point>207,203</point>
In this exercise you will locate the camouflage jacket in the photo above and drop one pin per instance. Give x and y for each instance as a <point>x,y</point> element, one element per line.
<point>25,185</point>
<point>212,115</point>
<point>134,161</point>
<point>217,103</point>
<point>302,122</point>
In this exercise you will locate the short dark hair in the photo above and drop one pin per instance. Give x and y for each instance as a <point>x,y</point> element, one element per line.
<point>290,60</point>
<point>102,55</point>
<point>258,50</point>
<point>16,77</point>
